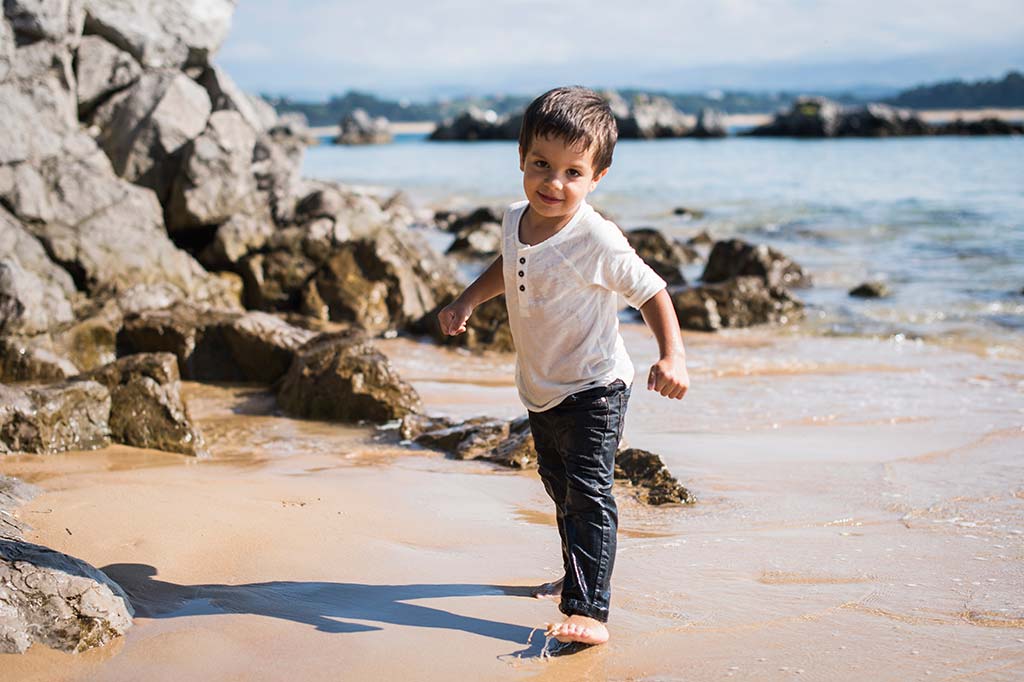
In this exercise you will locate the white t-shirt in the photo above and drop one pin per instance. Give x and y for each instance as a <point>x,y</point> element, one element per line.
<point>563,300</point>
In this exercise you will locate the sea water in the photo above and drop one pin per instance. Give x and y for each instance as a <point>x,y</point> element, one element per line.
<point>939,219</point>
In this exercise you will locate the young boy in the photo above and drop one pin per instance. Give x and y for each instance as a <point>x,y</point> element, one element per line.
<point>562,268</point>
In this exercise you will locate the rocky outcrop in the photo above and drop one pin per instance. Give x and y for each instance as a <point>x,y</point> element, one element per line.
<point>651,480</point>
<point>358,127</point>
<point>822,117</point>
<point>342,377</point>
<point>737,302</point>
<point>735,257</point>
<point>486,329</point>
<point>102,69</point>
<point>647,117</point>
<point>13,493</point>
<point>986,126</point>
<point>879,120</point>
<point>475,124</point>
<point>664,256</point>
<point>710,124</point>
<point>215,345</point>
<point>873,289</point>
<point>482,240</point>
<point>56,600</point>
<point>146,408</point>
<point>55,418</point>
<point>509,443</point>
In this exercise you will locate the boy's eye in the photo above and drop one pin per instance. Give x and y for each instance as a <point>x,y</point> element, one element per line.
<point>540,164</point>
<point>575,173</point>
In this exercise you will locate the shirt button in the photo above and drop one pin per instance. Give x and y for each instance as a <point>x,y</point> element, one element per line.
<point>522,260</point>
<point>522,288</point>
<point>520,273</point>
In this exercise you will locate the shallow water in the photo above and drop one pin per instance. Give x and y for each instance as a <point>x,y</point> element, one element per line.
<point>860,516</point>
<point>939,219</point>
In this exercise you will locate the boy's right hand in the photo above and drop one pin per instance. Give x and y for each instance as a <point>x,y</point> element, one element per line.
<point>453,317</point>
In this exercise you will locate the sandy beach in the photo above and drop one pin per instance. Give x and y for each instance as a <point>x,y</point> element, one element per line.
<point>861,516</point>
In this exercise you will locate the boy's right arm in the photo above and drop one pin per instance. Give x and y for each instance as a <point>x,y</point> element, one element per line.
<point>489,284</point>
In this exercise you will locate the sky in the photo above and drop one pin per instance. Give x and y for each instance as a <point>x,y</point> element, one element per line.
<point>421,49</point>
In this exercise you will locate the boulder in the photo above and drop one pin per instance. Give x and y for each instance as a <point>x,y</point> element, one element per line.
<point>986,126</point>
<point>358,127</point>
<point>342,377</point>
<point>162,33</point>
<point>653,482</point>
<point>72,415</point>
<point>346,289</point>
<point>6,48</point>
<point>664,256</point>
<point>808,117</point>
<point>517,451</point>
<point>487,328</point>
<point>14,493</point>
<point>710,124</point>
<point>58,21</point>
<point>216,179</point>
<point>225,95</point>
<point>874,289</point>
<point>451,221</point>
<point>56,600</point>
<point>482,240</point>
<point>33,359</point>
<point>650,117</point>
<point>35,293</point>
<point>144,128</point>
<point>475,124</point>
<point>277,161</point>
<point>737,302</point>
<point>241,234</point>
<point>146,408</point>
<point>735,257</point>
<point>101,69</point>
<point>468,440</point>
<point>215,345</point>
<point>879,120</point>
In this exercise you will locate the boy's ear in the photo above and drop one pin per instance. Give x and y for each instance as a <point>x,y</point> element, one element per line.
<point>522,158</point>
<point>597,179</point>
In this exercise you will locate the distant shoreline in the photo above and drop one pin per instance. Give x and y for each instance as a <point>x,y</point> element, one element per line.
<point>740,120</point>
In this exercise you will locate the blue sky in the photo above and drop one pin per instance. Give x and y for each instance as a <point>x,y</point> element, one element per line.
<point>426,48</point>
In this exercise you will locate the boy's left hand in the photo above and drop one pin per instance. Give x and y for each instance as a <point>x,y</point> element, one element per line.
<point>669,377</point>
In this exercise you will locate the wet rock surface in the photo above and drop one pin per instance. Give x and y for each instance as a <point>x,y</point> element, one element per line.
<point>56,600</point>
<point>737,302</point>
<point>735,257</point>
<point>146,407</point>
<point>72,415</point>
<point>342,377</point>
<point>652,481</point>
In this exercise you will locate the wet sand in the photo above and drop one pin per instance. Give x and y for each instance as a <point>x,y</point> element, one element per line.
<point>861,516</point>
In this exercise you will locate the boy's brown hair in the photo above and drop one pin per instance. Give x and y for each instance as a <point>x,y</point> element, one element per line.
<point>576,115</point>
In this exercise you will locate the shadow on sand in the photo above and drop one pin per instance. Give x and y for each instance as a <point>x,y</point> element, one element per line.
<point>322,604</point>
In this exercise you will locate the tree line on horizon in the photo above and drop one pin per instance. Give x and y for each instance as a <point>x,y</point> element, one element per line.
<point>955,94</point>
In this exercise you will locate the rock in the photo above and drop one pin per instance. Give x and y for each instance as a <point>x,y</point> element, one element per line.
<point>225,95</point>
<point>517,451</point>
<point>162,33</point>
<point>215,345</point>
<point>688,213</point>
<point>702,238</point>
<point>879,120</point>
<point>32,359</point>
<point>55,418</point>
<point>236,238</point>
<point>58,21</point>
<point>467,440</point>
<point>475,124</point>
<point>737,302</point>
<point>342,377</point>
<point>56,600</point>
<point>874,289</point>
<point>665,257</point>
<point>808,117</point>
<point>146,409</point>
<point>482,240</point>
<point>14,493</point>
<point>456,223</point>
<point>646,471</point>
<point>6,48</point>
<point>986,126</point>
<point>277,159</point>
<point>652,117</point>
<point>413,425</point>
<point>345,288</point>
<point>735,257</point>
<point>216,179</point>
<point>35,293</point>
<point>487,328</point>
<point>710,124</point>
<point>101,69</point>
<point>109,234</point>
<point>143,129</point>
<point>358,128</point>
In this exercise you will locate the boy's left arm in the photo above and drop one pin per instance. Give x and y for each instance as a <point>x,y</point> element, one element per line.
<point>668,376</point>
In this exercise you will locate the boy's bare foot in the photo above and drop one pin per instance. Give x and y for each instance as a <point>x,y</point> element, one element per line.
<point>552,590</point>
<point>577,628</point>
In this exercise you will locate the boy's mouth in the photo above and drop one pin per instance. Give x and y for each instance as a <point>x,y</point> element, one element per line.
<point>548,200</point>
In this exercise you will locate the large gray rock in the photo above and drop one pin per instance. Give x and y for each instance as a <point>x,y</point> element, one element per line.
<point>225,95</point>
<point>665,256</point>
<point>59,21</point>
<point>475,124</point>
<point>358,127</point>
<point>13,493</point>
<point>216,179</point>
<point>235,239</point>
<point>146,408</point>
<point>101,69</point>
<point>163,33</point>
<point>56,600</point>
<point>6,48</point>
<point>38,106</point>
<point>143,128</point>
<point>808,117</point>
<point>651,117</point>
<point>738,302</point>
<point>879,120</point>
<point>54,418</point>
<point>33,359</point>
<point>277,163</point>
<point>710,124</point>
<point>735,257</point>
<point>35,294</point>
<point>213,345</point>
<point>342,377</point>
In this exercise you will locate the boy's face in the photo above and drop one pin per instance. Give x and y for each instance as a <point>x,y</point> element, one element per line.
<point>557,177</point>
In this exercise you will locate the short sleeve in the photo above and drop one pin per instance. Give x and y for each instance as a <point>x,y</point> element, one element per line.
<point>616,266</point>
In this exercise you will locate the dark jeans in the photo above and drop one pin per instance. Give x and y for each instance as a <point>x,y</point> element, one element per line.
<point>576,443</point>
